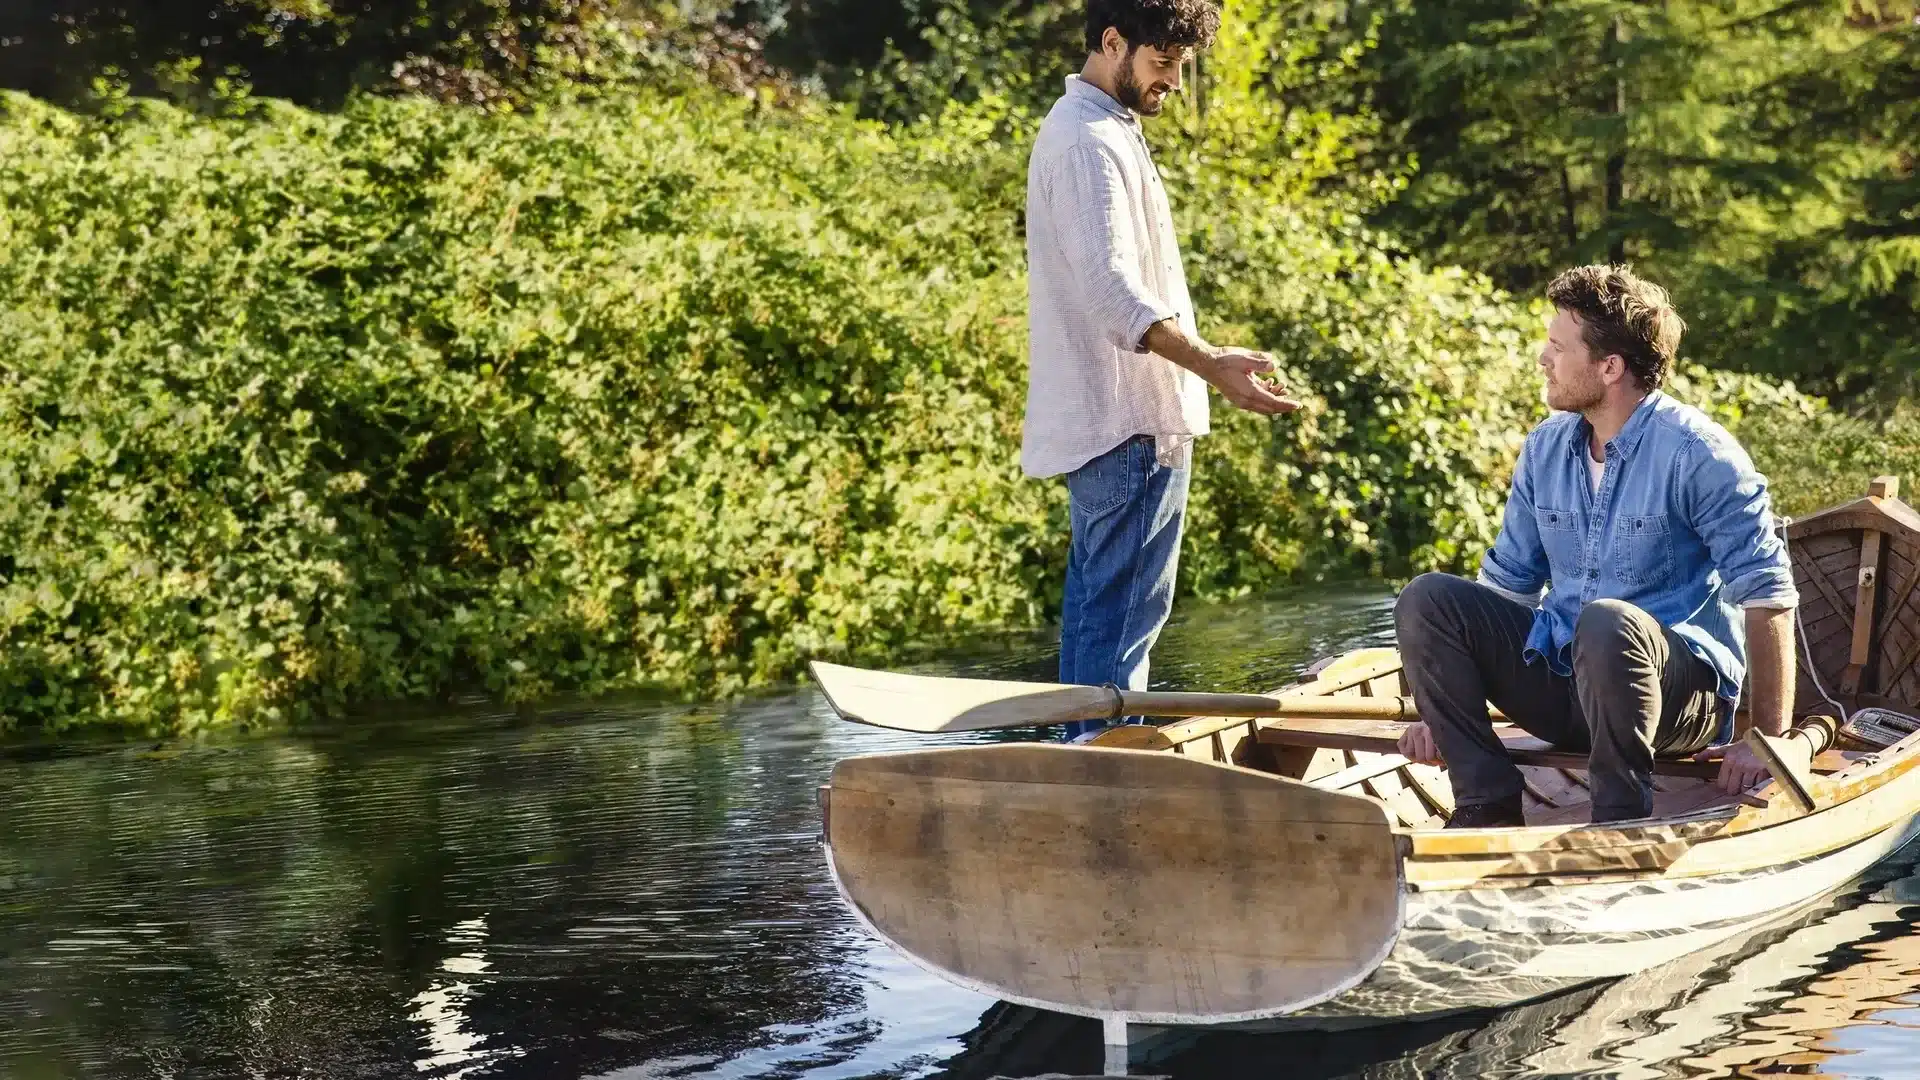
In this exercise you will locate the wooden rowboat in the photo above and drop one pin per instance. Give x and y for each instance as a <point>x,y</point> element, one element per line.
<point>1289,870</point>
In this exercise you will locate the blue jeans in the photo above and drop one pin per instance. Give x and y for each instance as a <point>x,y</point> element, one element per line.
<point>1127,512</point>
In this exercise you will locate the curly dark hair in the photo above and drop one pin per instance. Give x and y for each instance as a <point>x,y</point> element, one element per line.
<point>1163,24</point>
<point>1624,314</point>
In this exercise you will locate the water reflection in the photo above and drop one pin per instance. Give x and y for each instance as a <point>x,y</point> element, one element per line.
<point>636,891</point>
<point>454,1048</point>
<point>1829,990</point>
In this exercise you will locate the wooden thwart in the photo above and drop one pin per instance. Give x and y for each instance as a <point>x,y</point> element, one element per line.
<point>1383,737</point>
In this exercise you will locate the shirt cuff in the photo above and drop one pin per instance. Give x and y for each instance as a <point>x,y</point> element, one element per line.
<point>1517,597</point>
<point>1771,587</point>
<point>1143,319</point>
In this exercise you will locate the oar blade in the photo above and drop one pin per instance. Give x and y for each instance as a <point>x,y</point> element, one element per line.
<point>931,704</point>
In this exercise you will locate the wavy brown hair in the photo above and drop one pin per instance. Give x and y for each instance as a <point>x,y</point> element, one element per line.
<point>1624,314</point>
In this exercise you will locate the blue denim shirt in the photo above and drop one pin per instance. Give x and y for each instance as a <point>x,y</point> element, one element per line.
<point>1681,527</point>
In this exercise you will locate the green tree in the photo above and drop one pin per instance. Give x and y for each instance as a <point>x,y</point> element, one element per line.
<point>316,52</point>
<point>1754,154</point>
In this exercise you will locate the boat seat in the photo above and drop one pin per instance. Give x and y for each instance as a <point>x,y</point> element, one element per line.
<point>1383,737</point>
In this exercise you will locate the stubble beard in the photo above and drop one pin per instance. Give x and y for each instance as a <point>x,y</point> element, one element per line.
<point>1127,90</point>
<point>1563,398</point>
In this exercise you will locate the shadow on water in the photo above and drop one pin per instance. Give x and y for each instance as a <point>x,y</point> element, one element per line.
<point>633,890</point>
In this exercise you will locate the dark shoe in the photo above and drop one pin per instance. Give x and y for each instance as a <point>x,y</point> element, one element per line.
<point>1499,814</point>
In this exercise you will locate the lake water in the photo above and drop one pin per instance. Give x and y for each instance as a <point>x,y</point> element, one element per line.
<point>636,891</point>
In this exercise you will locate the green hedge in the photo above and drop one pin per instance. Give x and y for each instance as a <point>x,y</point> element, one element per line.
<point>299,411</point>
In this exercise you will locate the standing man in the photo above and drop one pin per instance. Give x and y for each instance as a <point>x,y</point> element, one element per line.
<point>1666,585</point>
<point>1118,375</point>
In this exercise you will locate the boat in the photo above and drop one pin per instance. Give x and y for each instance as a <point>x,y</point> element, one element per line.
<point>1270,862</point>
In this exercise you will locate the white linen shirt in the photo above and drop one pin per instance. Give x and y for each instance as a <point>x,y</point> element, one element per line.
<point>1102,266</point>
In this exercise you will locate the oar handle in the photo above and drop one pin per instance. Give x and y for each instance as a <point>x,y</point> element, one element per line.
<point>1173,703</point>
<point>1798,785</point>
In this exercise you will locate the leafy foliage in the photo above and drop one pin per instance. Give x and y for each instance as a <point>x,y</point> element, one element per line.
<point>299,410</point>
<point>372,404</point>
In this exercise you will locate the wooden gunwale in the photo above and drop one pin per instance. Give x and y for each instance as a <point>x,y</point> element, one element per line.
<point>1868,512</point>
<point>1810,836</point>
<point>1853,805</point>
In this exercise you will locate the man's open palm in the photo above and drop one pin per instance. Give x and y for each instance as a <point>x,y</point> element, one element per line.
<point>1235,376</point>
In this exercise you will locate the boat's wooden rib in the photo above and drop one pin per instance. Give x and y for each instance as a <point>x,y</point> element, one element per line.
<point>1810,574</point>
<point>1367,768</point>
<point>1042,874</point>
<point>1431,782</point>
<point>1866,591</point>
<point>1557,790</point>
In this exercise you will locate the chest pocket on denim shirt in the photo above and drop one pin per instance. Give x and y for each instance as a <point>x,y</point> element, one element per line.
<point>1560,536</point>
<point>1641,552</point>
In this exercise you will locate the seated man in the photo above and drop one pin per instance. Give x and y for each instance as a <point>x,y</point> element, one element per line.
<point>1650,531</point>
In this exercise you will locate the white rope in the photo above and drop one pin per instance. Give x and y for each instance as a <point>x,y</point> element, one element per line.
<point>1800,624</point>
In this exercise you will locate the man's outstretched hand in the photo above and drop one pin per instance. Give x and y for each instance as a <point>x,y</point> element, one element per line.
<point>1236,374</point>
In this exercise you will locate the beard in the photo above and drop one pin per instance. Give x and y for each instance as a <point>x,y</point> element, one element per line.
<point>1127,90</point>
<point>1566,397</point>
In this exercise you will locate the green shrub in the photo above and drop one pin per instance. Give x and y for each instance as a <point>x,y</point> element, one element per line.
<point>300,411</point>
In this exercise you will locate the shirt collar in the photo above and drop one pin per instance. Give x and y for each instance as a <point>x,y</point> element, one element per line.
<point>1082,90</point>
<point>1630,434</point>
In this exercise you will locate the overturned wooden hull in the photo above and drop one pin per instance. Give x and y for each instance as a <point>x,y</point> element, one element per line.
<point>1293,873</point>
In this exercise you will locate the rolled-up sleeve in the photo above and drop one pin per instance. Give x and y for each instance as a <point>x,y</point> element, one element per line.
<point>1088,193</point>
<point>1517,563</point>
<point>1729,508</point>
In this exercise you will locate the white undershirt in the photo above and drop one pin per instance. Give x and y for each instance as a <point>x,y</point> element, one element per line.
<point>1594,469</point>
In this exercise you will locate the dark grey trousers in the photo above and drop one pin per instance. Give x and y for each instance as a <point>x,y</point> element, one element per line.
<point>1636,691</point>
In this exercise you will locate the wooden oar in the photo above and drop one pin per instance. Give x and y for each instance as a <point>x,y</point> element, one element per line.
<point>929,704</point>
<point>932,704</point>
